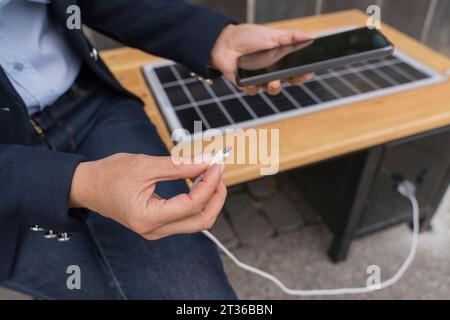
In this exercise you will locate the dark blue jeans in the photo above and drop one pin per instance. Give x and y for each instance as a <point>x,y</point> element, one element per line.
<point>115,262</point>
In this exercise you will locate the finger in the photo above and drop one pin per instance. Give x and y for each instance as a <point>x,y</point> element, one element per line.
<point>250,90</point>
<point>309,75</point>
<point>289,36</point>
<point>273,87</point>
<point>300,79</point>
<point>173,168</point>
<point>185,205</point>
<point>298,35</point>
<point>202,221</point>
<point>204,189</point>
<point>296,81</point>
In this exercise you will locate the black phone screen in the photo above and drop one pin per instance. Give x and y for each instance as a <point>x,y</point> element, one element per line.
<point>313,51</point>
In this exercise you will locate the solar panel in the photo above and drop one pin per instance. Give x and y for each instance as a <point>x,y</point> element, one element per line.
<point>184,99</point>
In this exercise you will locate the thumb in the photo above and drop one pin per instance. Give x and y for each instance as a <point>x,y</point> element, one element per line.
<point>172,168</point>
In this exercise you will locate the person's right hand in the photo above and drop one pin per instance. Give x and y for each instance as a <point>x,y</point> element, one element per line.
<point>121,187</point>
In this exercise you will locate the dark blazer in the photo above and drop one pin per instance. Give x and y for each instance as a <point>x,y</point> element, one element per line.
<point>35,183</point>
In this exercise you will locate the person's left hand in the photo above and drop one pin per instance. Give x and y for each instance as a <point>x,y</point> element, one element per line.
<point>237,40</point>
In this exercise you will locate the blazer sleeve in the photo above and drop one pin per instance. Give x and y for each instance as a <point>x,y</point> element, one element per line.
<point>35,187</point>
<point>172,29</point>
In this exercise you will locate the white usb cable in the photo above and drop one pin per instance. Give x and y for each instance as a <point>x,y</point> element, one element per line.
<point>405,188</point>
<point>219,157</point>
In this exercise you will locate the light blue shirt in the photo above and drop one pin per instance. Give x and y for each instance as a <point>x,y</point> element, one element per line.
<point>34,53</point>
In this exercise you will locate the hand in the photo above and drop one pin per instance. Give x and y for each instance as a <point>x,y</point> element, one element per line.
<point>267,58</point>
<point>121,187</point>
<point>235,41</point>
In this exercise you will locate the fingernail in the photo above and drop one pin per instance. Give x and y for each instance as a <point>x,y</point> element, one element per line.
<point>222,168</point>
<point>309,76</point>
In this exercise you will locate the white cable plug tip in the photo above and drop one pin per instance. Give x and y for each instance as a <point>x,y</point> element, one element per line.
<point>219,157</point>
<point>406,188</point>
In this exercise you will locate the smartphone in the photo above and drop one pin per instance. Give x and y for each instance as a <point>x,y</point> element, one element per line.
<point>326,52</point>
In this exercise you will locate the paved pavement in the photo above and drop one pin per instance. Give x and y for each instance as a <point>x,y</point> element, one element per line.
<point>269,223</point>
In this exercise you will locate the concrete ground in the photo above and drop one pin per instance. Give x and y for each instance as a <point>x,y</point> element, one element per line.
<point>269,224</point>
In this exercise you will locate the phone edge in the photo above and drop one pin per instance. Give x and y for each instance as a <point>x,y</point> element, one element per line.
<point>318,66</point>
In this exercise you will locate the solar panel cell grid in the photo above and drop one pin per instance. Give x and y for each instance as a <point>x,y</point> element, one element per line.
<point>187,118</point>
<point>358,82</point>
<point>220,104</point>
<point>379,80</point>
<point>198,91</point>
<point>414,73</point>
<point>319,91</point>
<point>281,102</point>
<point>340,87</point>
<point>259,106</point>
<point>177,96</point>
<point>165,75</point>
<point>237,110</point>
<point>221,88</point>
<point>216,118</point>
<point>300,96</point>
<point>183,72</point>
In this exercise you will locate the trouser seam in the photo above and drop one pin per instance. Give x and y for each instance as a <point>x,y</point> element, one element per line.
<point>104,260</point>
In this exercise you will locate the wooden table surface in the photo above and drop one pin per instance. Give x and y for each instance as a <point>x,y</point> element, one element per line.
<point>330,133</point>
